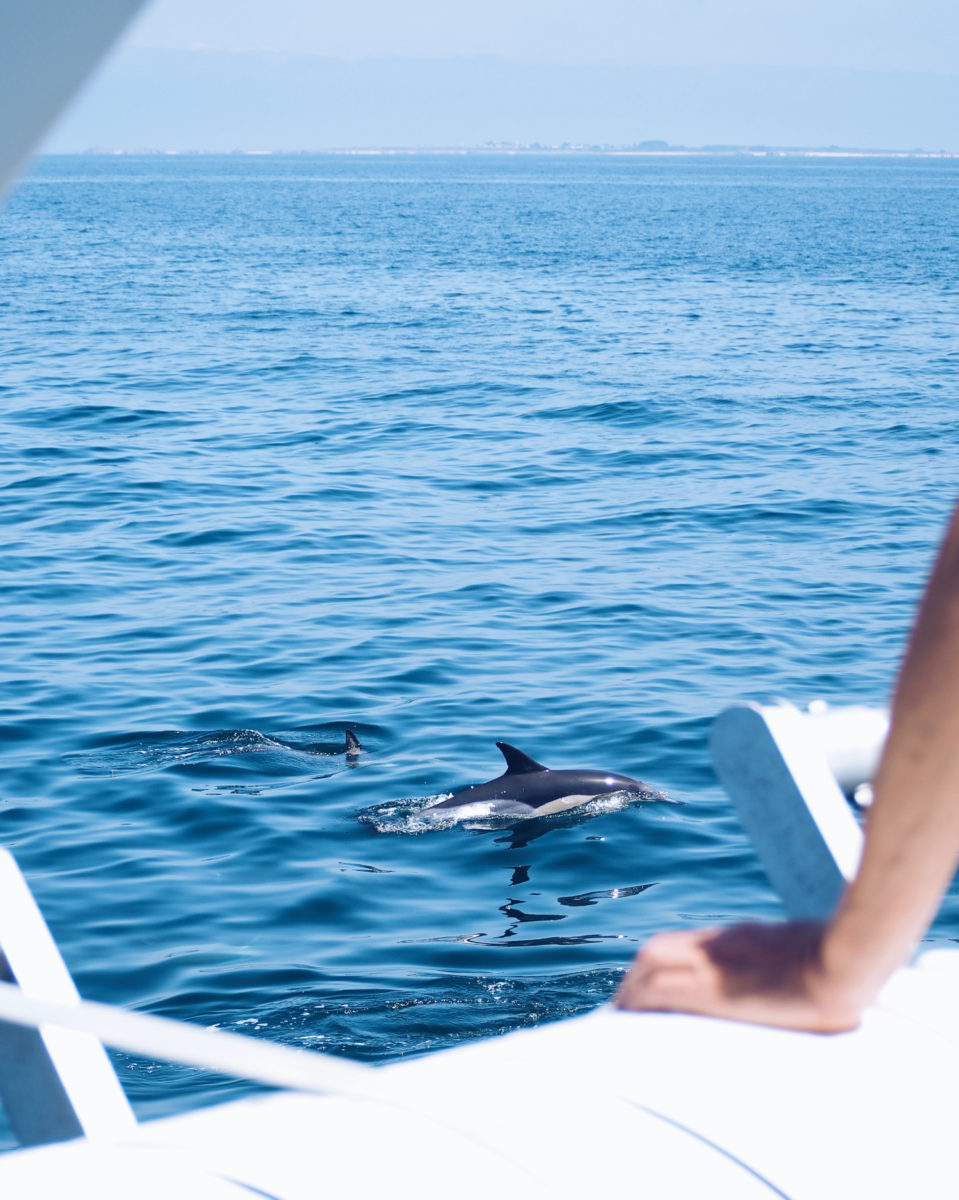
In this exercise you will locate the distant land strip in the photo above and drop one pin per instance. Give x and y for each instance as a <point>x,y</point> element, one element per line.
<point>649,148</point>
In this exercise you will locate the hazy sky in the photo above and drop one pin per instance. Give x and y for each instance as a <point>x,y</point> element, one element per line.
<point>309,74</point>
<point>919,35</point>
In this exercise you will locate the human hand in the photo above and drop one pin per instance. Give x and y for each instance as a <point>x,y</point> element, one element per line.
<point>765,974</point>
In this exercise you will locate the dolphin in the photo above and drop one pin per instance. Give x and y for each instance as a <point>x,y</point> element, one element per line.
<point>527,788</point>
<point>351,747</point>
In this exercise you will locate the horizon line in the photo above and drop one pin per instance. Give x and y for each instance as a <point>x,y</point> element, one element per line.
<point>650,149</point>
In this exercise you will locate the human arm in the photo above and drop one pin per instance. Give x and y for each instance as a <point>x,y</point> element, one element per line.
<point>804,975</point>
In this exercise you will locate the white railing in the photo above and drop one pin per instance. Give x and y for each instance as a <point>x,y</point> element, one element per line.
<point>786,772</point>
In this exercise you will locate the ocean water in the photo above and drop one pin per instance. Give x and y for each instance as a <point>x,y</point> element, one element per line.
<point>566,451</point>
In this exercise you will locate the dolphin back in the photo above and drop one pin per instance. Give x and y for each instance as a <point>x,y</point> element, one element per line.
<point>526,785</point>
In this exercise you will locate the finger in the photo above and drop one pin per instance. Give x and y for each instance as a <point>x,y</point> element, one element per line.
<point>677,945</point>
<point>672,970</point>
<point>663,988</point>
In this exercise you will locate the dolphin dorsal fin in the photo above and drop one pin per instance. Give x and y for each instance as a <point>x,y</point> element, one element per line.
<point>352,743</point>
<point>518,763</point>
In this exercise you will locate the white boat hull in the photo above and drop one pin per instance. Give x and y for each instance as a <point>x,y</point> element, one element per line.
<point>657,1104</point>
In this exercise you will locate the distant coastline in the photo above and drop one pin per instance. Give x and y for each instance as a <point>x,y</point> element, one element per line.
<point>640,149</point>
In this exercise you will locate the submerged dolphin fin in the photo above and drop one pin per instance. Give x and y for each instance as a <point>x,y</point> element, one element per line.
<point>518,763</point>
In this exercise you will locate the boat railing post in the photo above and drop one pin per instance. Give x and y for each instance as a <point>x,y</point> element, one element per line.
<point>55,1084</point>
<point>774,761</point>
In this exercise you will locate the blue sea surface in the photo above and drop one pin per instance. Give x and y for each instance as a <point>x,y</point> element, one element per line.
<point>568,451</point>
